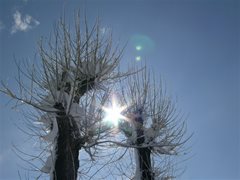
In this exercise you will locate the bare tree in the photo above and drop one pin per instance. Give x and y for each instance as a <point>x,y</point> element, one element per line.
<point>153,129</point>
<point>67,90</point>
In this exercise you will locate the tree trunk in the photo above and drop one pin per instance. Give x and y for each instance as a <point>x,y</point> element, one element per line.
<point>67,148</point>
<point>144,154</point>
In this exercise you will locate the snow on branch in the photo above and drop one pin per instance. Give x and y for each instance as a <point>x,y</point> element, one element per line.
<point>75,64</point>
<point>152,120</point>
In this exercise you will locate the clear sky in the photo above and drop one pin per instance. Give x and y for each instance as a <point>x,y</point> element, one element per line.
<point>193,44</point>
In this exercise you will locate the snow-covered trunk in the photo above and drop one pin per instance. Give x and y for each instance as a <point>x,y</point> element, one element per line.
<point>143,154</point>
<point>67,147</point>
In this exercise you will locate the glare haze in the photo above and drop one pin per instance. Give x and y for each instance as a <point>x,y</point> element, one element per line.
<point>193,44</point>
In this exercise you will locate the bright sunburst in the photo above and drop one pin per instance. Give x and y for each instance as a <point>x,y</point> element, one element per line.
<point>113,113</point>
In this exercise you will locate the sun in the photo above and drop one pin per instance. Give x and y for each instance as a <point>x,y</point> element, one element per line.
<point>113,113</point>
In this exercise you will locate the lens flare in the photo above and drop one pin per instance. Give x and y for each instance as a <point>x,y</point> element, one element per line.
<point>113,113</point>
<point>142,43</point>
<point>138,58</point>
<point>138,48</point>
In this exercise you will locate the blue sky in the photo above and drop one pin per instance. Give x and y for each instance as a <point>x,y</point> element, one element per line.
<point>192,44</point>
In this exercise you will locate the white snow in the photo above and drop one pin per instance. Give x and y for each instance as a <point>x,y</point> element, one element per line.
<point>50,137</point>
<point>90,68</point>
<point>50,99</point>
<point>47,119</point>
<point>150,134</point>
<point>168,150</point>
<point>62,97</point>
<point>48,165</point>
<point>137,175</point>
<point>76,110</point>
<point>51,128</point>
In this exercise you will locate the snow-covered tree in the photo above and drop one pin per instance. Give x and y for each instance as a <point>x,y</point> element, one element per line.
<point>151,127</point>
<point>67,89</point>
<point>73,91</point>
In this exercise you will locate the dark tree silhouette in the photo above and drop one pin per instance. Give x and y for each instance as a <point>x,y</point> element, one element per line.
<point>67,89</point>
<point>143,154</point>
<point>152,127</point>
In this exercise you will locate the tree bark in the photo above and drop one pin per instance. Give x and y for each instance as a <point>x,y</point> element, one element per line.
<point>144,154</point>
<point>69,141</point>
<point>67,148</point>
